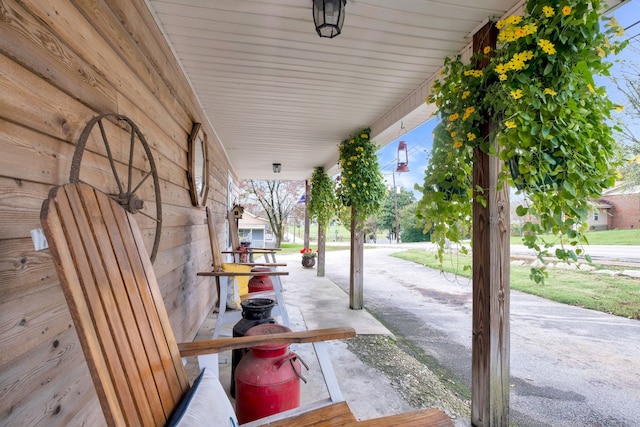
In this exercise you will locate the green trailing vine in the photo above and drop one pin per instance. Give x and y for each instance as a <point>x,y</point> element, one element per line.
<point>323,203</point>
<point>552,124</point>
<point>361,184</point>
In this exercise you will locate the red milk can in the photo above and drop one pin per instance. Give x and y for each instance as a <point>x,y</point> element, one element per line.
<point>260,283</point>
<point>267,378</point>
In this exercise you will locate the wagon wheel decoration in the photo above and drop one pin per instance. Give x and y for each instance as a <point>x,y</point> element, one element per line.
<point>128,181</point>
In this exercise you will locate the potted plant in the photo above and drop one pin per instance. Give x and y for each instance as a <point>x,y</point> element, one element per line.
<point>308,257</point>
<point>551,122</point>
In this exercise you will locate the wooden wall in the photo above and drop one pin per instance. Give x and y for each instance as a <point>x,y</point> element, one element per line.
<point>61,63</point>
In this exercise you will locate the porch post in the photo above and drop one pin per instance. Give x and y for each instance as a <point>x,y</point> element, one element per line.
<point>307,196</point>
<point>322,238</point>
<point>490,342</point>
<point>356,291</point>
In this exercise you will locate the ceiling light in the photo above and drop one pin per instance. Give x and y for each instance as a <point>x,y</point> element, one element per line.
<point>328,15</point>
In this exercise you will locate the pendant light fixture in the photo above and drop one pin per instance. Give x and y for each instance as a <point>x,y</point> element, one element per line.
<point>328,15</point>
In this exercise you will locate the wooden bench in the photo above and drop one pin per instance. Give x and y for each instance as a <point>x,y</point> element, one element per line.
<point>122,323</point>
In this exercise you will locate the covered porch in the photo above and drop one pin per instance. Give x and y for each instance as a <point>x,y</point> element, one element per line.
<point>264,88</point>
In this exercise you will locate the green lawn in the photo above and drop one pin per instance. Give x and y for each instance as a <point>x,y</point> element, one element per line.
<point>615,295</point>
<point>606,237</point>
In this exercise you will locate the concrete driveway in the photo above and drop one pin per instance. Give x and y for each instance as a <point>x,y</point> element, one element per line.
<point>569,366</point>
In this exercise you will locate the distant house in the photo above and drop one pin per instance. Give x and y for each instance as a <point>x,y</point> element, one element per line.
<point>599,216</point>
<point>624,200</point>
<point>254,229</point>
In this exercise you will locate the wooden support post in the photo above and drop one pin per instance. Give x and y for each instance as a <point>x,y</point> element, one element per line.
<point>322,238</point>
<point>307,197</point>
<point>490,346</point>
<point>357,261</point>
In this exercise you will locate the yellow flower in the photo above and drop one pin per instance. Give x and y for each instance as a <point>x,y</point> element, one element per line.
<point>364,183</point>
<point>601,52</point>
<point>510,124</point>
<point>453,117</point>
<point>503,77</point>
<point>364,135</point>
<point>501,69</point>
<point>516,94</point>
<point>548,11</point>
<point>566,10</point>
<point>468,112</point>
<point>465,94</point>
<point>550,92</point>
<point>457,144</point>
<point>453,134</point>
<point>591,89</point>
<point>487,49</point>
<point>547,46</point>
<point>474,73</point>
<point>353,185</point>
<point>471,136</point>
<point>514,19</point>
<point>619,108</point>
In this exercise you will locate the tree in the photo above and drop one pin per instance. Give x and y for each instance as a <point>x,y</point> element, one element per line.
<point>387,217</point>
<point>278,200</point>
<point>412,228</point>
<point>627,80</point>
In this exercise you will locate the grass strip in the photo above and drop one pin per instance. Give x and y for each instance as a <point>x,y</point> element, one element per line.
<point>618,295</point>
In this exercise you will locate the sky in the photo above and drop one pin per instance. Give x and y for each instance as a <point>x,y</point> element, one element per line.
<point>419,140</point>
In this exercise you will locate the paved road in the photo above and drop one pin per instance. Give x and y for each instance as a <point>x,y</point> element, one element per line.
<point>569,366</point>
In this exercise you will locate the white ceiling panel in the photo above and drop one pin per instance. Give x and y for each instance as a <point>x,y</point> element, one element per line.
<point>276,92</point>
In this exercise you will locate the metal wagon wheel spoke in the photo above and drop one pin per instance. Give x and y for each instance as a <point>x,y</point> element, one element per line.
<point>129,185</point>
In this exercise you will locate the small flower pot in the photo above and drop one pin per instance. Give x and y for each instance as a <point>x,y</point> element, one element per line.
<point>308,261</point>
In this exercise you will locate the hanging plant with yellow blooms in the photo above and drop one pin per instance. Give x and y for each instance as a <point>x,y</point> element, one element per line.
<point>361,184</point>
<point>552,122</point>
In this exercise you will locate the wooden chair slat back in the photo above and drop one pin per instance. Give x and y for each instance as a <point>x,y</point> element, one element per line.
<point>233,231</point>
<point>113,296</point>
<point>216,253</point>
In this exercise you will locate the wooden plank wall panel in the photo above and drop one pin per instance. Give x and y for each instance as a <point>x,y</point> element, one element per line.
<point>31,41</point>
<point>62,63</point>
<point>61,361</point>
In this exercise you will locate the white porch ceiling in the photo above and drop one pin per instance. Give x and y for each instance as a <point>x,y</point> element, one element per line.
<point>276,92</point>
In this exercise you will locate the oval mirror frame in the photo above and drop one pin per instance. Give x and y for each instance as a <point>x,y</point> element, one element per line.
<point>197,170</point>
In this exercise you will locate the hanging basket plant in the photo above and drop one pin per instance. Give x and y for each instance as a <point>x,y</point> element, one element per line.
<point>551,122</point>
<point>322,206</point>
<point>361,184</point>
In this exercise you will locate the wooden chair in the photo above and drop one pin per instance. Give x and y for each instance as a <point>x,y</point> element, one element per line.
<point>225,316</point>
<point>122,323</point>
